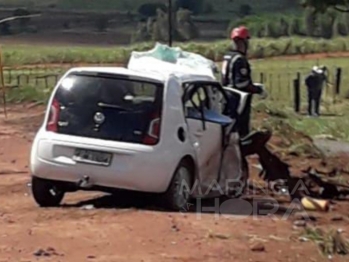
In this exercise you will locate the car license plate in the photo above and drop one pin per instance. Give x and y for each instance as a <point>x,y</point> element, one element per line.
<point>92,157</point>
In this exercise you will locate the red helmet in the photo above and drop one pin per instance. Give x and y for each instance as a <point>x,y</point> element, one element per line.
<point>240,33</point>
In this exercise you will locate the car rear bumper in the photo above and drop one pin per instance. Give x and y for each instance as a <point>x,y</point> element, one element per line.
<point>135,168</point>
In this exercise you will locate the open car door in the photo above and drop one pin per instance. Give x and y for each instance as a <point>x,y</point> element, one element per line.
<point>238,98</point>
<point>218,151</point>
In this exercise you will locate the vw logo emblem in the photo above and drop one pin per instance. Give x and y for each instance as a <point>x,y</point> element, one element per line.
<point>99,118</point>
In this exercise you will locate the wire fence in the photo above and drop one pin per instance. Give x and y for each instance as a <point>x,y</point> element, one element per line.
<point>281,85</point>
<point>40,77</point>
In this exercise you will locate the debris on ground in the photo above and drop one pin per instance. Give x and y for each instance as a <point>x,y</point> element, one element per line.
<point>257,247</point>
<point>218,236</point>
<point>46,252</point>
<point>309,189</point>
<point>305,216</point>
<point>300,223</point>
<point>337,218</point>
<point>315,204</point>
<point>88,207</point>
<point>303,239</point>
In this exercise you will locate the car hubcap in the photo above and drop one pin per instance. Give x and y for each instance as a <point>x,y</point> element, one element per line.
<point>182,187</point>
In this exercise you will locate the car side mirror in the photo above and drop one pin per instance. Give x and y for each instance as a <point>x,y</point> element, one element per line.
<point>209,116</point>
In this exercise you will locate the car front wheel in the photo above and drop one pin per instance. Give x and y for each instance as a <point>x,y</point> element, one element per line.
<point>178,196</point>
<point>46,193</point>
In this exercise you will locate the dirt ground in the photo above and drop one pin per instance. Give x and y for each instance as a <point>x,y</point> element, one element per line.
<point>114,232</point>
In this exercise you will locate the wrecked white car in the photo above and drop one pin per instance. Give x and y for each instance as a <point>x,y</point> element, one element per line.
<point>155,127</point>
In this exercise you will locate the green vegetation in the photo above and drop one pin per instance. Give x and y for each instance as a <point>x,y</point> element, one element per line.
<point>260,48</point>
<point>333,123</point>
<point>323,5</point>
<point>307,23</point>
<point>330,242</point>
<point>156,28</point>
<point>28,93</point>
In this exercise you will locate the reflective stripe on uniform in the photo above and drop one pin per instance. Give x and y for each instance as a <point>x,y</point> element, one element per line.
<point>224,67</point>
<point>232,62</point>
<point>225,64</point>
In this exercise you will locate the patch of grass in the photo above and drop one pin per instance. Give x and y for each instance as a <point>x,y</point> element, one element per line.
<point>329,242</point>
<point>260,48</point>
<point>28,94</point>
<point>297,130</point>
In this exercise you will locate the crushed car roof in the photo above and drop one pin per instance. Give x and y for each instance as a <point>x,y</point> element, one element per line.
<point>147,74</point>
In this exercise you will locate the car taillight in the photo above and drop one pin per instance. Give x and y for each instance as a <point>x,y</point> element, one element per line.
<point>52,124</point>
<point>152,137</point>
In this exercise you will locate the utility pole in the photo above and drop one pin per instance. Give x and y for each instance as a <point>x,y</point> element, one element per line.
<point>170,22</point>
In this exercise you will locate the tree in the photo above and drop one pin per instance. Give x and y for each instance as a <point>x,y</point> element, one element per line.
<point>323,5</point>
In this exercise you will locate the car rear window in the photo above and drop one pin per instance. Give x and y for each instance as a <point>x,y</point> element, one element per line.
<point>107,107</point>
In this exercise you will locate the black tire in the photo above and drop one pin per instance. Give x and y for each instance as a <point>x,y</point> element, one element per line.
<point>241,188</point>
<point>46,193</point>
<point>177,196</point>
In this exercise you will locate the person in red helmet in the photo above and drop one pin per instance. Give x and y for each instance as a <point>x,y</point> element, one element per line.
<point>236,73</point>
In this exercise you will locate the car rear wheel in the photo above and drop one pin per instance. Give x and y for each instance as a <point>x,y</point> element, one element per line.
<point>178,196</point>
<point>46,193</point>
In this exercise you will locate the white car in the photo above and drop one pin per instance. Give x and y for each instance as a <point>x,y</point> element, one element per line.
<point>116,128</point>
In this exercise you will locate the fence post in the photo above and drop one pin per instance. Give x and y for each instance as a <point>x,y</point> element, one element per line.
<point>46,81</point>
<point>10,75</point>
<point>297,97</point>
<point>262,78</point>
<point>271,85</point>
<point>338,81</point>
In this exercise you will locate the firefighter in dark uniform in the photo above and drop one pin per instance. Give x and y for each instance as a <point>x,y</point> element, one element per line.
<point>236,73</point>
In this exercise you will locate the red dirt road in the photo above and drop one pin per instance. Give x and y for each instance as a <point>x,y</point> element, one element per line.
<point>112,233</point>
